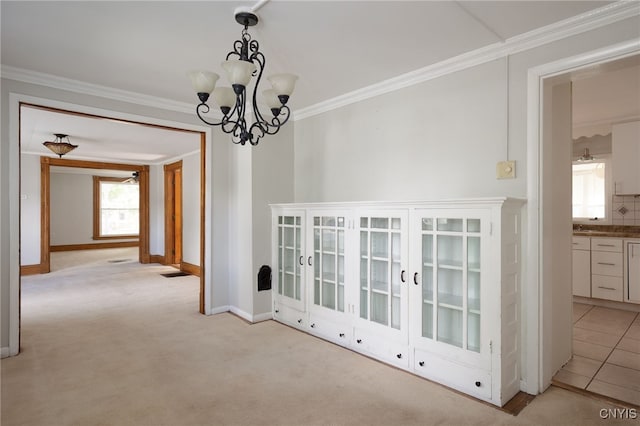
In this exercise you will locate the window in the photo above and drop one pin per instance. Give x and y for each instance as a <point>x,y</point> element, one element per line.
<point>116,208</point>
<point>591,191</point>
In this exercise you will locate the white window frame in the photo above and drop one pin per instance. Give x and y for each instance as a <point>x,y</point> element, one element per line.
<point>608,192</point>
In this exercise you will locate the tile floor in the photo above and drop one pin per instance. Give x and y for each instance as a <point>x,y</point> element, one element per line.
<point>606,353</point>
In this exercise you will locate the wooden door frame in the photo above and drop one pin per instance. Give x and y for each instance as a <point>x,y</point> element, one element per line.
<point>169,210</point>
<point>45,200</point>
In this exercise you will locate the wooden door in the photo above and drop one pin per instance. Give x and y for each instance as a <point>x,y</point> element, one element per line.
<point>173,213</point>
<point>177,216</point>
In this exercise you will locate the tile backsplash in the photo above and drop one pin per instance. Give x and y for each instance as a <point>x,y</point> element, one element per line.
<point>625,210</point>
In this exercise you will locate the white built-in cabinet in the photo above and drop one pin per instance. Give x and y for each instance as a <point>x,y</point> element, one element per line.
<point>607,269</point>
<point>581,277</point>
<point>625,147</point>
<point>632,270</point>
<point>429,287</point>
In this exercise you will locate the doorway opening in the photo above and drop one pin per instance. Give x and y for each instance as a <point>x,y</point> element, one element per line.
<point>593,342</point>
<point>45,190</point>
<point>146,247</point>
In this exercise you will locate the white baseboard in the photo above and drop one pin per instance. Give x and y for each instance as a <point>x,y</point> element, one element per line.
<point>263,317</point>
<point>249,317</point>
<point>242,314</point>
<point>220,309</point>
<point>4,352</point>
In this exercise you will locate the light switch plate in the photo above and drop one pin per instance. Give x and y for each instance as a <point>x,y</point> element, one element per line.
<point>506,170</point>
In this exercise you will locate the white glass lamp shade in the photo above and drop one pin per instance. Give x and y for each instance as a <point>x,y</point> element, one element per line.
<point>271,99</point>
<point>203,81</point>
<point>224,97</point>
<point>239,72</point>
<point>283,84</point>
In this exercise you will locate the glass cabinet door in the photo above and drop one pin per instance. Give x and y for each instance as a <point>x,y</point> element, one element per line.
<point>381,256</point>
<point>451,280</point>
<point>328,264</point>
<point>290,257</point>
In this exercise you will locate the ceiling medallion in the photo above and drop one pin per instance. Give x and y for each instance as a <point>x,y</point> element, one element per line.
<point>244,62</point>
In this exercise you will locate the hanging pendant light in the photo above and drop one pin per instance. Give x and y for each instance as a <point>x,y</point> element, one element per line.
<point>243,63</point>
<point>586,156</point>
<point>59,147</point>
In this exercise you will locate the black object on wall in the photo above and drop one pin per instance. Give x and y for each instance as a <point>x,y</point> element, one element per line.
<point>264,278</point>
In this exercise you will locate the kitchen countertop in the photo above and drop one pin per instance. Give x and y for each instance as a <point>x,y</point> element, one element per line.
<point>611,231</point>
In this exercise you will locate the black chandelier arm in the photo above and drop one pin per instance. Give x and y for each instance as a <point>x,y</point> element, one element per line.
<point>237,114</point>
<point>256,132</point>
<point>272,127</point>
<point>205,109</point>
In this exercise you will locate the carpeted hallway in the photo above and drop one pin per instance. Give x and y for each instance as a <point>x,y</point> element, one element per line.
<point>115,343</point>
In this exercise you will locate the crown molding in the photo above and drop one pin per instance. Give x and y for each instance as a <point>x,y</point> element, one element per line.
<point>578,24</point>
<point>49,80</point>
<point>575,25</point>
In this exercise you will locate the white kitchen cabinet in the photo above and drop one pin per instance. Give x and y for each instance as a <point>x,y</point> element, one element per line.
<point>632,270</point>
<point>625,142</point>
<point>431,288</point>
<point>607,269</point>
<point>581,277</point>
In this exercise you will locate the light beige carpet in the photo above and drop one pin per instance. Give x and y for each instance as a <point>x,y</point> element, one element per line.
<point>117,344</point>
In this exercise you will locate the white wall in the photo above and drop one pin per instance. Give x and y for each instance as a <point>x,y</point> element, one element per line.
<point>439,139</point>
<point>272,175</point>
<point>240,230</point>
<point>191,209</point>
<point>556,228</point>
<point>30,210</point>
<point>71,209</point>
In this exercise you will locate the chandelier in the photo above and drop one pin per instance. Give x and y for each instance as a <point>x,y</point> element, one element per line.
<point>59,147</point>
<point>244,62</point>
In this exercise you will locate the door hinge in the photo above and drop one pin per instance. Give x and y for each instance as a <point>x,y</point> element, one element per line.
<point>490,346</point>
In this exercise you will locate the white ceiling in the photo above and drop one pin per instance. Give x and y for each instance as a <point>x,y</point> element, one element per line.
<point>334,46</point>
<point>605,94</point>
<point>103,139</point>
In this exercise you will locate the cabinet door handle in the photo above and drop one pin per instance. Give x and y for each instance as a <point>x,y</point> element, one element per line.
<point>399,356</point>
<point>309,260</point>
<point>415,278</point>
<point>605,245</point>
<point>341,334</point>
<point>402,276</point>
<point>478,384</point>
<point>277,310</point>
<point>300,321</point>
<point>359,341</point>
<point>300,261</point>
<point>313,325</point>
<point>607,264</point>
<point>606,288</point>
<point>421,363</point>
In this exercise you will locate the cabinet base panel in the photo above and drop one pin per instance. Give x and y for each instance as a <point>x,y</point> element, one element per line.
<point>624,306</point>
<point>514,408</point>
